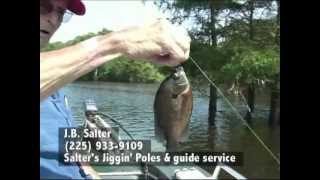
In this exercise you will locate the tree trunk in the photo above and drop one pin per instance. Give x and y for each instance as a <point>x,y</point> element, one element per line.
<point>250,97</point>
<point>213,90</point>
<point>213,27</point>
<point>250,94</point>
<point>274,116</point>
<point>212,105</point>
<point>278,12</point>
<point>251,30</point>
<point>278,23</point>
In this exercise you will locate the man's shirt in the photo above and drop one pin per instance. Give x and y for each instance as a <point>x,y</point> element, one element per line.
<point>55,114</point>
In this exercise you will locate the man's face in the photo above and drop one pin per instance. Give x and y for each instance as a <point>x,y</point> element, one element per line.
<point>51,15</point>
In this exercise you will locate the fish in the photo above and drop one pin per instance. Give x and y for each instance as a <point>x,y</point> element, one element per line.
<point>173,108</point>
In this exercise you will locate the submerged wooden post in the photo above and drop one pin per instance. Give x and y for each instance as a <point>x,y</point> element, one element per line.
<point>250,96</point>
<point>95,75</point>
<point>274,114</point>
<point>212,105</point>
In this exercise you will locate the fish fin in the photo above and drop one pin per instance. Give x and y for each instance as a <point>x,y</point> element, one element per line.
<point>184,136</point>
<point>159,135</point>
<point>172,146</point>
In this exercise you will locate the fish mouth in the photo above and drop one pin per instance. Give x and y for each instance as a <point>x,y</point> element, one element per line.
<point>182,84</point>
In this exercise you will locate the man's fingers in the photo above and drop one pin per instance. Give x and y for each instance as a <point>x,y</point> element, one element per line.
<point>186,54</point>
<point>180,41</point>
<point>161,42</point>
<point>181,37</point>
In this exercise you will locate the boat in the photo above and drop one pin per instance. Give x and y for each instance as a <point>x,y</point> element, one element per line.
<point>93,119</point>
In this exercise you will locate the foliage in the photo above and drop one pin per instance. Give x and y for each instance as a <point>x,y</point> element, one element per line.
<point>234,41</point>
<point>249,66</point>
<point>120,69</point>
<point>123,69</point>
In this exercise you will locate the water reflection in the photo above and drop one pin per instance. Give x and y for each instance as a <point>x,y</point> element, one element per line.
<point>132,105</point>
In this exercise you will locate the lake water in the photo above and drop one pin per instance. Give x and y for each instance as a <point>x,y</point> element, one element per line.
<point>132,105</point>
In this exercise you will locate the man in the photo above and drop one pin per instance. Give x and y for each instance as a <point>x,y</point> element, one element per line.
<point>157,43</point>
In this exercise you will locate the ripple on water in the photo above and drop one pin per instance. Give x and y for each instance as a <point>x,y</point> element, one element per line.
<point>132,105</point>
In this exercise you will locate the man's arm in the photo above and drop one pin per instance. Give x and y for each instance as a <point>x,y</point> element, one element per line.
<point>63,66</point>
<point>158,42</point>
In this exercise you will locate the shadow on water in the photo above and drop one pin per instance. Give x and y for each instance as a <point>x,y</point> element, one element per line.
<point>132,105</point>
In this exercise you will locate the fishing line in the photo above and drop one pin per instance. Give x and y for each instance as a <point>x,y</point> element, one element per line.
<point>236,111</point>
<point>144,165</point>
<point>117,122</point>
<point>224,97</point>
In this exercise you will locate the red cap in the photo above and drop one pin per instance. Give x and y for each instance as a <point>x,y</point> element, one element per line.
<point>77,7</point>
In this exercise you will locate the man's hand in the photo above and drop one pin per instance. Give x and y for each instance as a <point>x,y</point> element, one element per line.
<point>89,170</point>
<point>160,42</point>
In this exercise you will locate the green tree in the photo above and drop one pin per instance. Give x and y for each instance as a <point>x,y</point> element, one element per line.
<point>233,40</point>
<point>120,69</point>
<point>206,32</point>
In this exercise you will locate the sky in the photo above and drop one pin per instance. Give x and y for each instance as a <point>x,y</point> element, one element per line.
<point>110,14</point>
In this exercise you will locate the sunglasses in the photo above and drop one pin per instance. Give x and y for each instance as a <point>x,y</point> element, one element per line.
<point>47,7</point>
